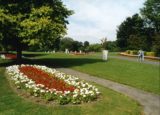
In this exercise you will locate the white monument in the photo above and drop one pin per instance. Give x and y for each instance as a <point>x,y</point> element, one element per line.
<point>80,51</point>
<point>66,51</point>
<point>105,55</point>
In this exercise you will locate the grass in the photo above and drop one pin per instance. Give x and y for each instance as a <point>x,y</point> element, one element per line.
<point>110,102</point>
<point>140,75</point>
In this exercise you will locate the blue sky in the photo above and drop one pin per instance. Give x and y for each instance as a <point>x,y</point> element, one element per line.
<point>96,19</point>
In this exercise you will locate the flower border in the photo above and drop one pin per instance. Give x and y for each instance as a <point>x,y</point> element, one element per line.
<point>83,92</point>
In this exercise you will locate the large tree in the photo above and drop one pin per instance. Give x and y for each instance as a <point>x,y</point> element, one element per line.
<point>112,46</point>
<point>32,22</point>
<point>70,44</point>
<point>131,26</point>
<point>151,14</point>
<point>66,43</point>
<point>86,44</point>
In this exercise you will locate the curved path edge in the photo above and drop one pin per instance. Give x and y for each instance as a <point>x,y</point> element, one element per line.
<point>150,102</point>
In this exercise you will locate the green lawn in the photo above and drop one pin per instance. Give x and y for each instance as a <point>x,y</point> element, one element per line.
<point>110,102</point>
<point>139,75</point>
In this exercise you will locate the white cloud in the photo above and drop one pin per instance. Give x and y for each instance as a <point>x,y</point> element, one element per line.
<point>94,19</point>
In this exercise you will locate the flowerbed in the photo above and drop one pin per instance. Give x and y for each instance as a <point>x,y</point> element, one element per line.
<point>8,56</point>
<point>51,85</point>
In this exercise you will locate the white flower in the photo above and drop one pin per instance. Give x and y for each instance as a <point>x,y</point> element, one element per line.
<point>75,95</point>
<point>42,91</point>
<point>82,89</point>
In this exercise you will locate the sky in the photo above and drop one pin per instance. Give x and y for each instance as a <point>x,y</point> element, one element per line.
<point>96,19</point>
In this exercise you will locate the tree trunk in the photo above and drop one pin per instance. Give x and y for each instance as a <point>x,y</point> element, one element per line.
<point>19,52</point>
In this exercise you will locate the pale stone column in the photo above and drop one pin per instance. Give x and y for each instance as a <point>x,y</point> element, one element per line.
<point>105,55</point>
<point>80,51</point>
<point>66,51</point>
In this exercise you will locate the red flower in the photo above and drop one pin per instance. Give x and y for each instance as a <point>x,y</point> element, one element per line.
<point>48,80</point>
<point>10,56</point>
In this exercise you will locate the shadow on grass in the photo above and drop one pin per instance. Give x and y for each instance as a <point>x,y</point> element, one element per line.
<point>33,55</point>
<point>53,62</point>
<point>66,62</point>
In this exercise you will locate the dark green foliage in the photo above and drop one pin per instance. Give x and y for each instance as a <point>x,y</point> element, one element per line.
<point>131,26</point>
<point>137,42</point>
<point>66,43</point>
<point>95,47</point>
<point>112,46</point>
<point>70,44</point>
<point>141,32</point>
<point>156,44</point>
<point>151,14</point>
<point>38,22</point>
<point>76,46</point>
<point>86,47</point>
<point>86,44</point>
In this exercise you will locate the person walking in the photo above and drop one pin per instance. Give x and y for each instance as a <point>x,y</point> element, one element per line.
<point>141,55</point>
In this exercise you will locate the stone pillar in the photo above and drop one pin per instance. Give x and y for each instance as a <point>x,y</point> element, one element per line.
<point>105,55</point>
<point>66,51</point>
<point>80,51</point>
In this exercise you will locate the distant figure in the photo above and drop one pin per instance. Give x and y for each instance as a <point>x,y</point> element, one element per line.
<point>141,55</point>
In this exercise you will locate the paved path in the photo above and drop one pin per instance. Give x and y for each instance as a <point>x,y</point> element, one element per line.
<point>150,102</point>
<point>136,59</point>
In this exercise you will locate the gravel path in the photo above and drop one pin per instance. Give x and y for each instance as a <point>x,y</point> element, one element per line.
<point>150,102</point>
<point>136,60</point>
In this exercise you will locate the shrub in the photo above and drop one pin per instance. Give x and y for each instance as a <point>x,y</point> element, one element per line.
<point>128,51</point>
<point>135,52</point>
<point>132,52</point>
<point>150,53</point>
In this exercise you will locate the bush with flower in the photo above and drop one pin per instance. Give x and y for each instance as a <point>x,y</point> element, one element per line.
<point>51,84</point>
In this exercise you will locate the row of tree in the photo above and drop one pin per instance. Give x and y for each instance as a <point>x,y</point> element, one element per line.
<point>74,45</point>
<point>141,31</point>
<point>60,44</point>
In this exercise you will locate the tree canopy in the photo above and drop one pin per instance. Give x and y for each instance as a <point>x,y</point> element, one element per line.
<point>151,14</point>
<point>141,31</point>
<point>131,26</point>
<point>33,22</point>
<point>70,44</point>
